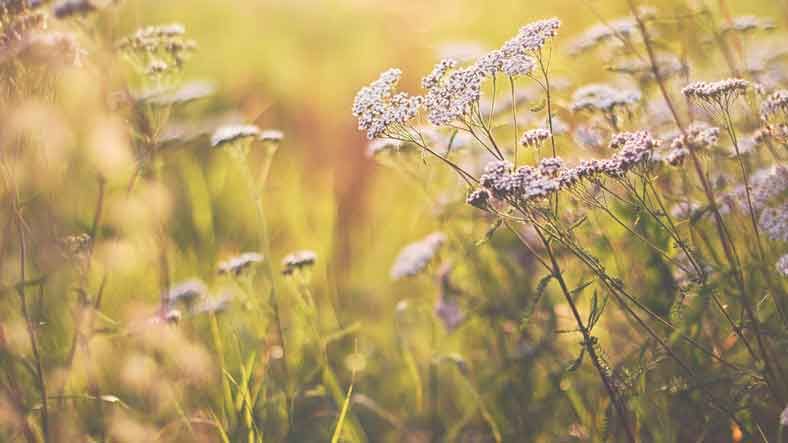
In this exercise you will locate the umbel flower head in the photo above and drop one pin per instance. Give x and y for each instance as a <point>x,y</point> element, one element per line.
<point>159,48</point>
<point>774,114</point>
<point>415,257</point>
<point>379,109</point>
<point>297,261</point>
<point>782,268</point>
<point>69,8</point>
<point>451,93</point>
<point>535,137</point>
<point>599,97</point>
<point>186,292</point>
<point>237,265</point>
<point>721,93</point>
<point>228,134</point>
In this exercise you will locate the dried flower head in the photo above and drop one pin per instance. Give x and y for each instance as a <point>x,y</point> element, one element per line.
<point>239,264</point>
<point>414,258</point>
<point>379,109</point>
<point>298,260</point>
<point>535,137</point>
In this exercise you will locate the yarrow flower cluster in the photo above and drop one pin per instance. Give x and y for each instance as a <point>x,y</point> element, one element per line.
<point>68,8</point>
<point>698,136</point>
<point>774,222</point>
<point>228,134</point>
<point>297,261</point>
<point>746,23</point>
<point>158,49</point>
<point>634,149</point>
<point>532,37</point>
<point>378,108</point>
<point>535,137</point>
<point>451,92</point>
<point>721,92</point>
<point>782,268</point>
<point>668,65</point>
<point>598,97</point>
<point>186,292</point>
<point>414,258</point>
<point>237,265</point>
<point>766,185</point>
<point>774,114</point>
<point>625,28</point>
<point>776,103</point>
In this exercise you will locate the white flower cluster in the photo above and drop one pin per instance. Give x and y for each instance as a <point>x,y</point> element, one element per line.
<point>746,23</point>
<point>237,265</point>
<point>228,134</point>
<point>535,137</point>
<point>378,108</point>
<point>298,260</point>
<point>721,92</point>
<point>414,258</point>
<point>782,268</point>
<point>774,222</point>
<point>599,97</point>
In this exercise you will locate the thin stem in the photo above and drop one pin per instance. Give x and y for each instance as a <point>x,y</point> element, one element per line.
<point>588,340</point>
<point>514,121</point>
<point>31,331</point>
